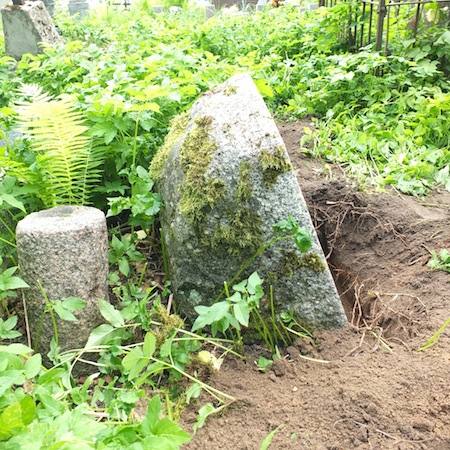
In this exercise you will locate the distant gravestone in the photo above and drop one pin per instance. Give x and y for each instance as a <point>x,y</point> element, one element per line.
<point>78,8</point>
<point>25,27</point>
<point>261,5</point>
<point>63,251</point>
<point>226,179</point>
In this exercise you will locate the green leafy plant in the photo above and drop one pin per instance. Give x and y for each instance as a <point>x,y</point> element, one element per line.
<point>123,253</point>
<point>229,315</point>
<point>66,157</point>
<point>267,441</point>
<point>7,328</point>
<point>143,204</point>
<point>441,261</point>
<point>9,284</point>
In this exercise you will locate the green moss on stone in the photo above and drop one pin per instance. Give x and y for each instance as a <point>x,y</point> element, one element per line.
<point>230,90</point>
<point>199,191</point>
<point>243,232</point>
<point>273,164</point>
<point>177,128</point>
<point>244,188</point>
<point>292,262</point>
<point>240,229</point>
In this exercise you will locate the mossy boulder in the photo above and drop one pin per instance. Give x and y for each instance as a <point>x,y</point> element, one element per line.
<point>226,179</point>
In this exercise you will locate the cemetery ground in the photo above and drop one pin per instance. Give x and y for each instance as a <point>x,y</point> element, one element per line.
<point>377,391</point>
<point>365,386</point>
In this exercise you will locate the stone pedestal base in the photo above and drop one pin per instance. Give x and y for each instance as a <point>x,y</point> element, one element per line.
<point>63,251</point>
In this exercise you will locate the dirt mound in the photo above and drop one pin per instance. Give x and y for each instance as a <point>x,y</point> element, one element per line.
<point>377,391</point>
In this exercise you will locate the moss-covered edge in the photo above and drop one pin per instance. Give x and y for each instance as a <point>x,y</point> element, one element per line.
<point>177,128</point>
<point>273,164</point>
<point>292,262</point>
<point>200,192</point>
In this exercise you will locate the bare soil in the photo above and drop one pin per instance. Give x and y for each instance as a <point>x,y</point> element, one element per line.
<point>378,391</point>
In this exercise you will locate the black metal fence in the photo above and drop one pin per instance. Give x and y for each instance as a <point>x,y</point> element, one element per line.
<point>373,22</point>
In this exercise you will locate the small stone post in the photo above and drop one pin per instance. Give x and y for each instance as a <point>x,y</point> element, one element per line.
<point>64,250</point>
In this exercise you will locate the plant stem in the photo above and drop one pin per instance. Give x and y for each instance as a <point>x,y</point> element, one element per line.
<point>49,308</point>
<point>252,258</point>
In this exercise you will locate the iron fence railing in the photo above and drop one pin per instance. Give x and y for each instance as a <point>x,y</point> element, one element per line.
<point>372,19</point>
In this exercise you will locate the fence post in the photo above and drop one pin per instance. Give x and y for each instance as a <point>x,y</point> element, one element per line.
<point>380,23</point>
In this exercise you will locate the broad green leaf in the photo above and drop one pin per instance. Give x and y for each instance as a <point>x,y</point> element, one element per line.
<point>149,345</point>
<point>211,314</point>
<point>12,201</point>
<point>124,266</point>
<point>166,348</point>
<point>16,349</point>
<point>33,366</point>
<point>303,240</point>
<point>74,303</point>
<point>171,431</point>
<point>134,362</point>
<point>28,407</point>
<point>99,334</point>
<point>264,89</point>
<point>152,416</point>
<point>62,312</point>
<point>110,314</point>
<point>11,421</point>
<point>52,406</point>
<point>10,323</point>
<point>202,415</point>
<point>254,280</point>
<point>241,312</point>
<point>241,287</point>
<point>52,376</point>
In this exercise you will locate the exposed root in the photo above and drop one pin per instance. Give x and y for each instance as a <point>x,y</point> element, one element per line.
<point>373,313</point>
<point>331,217</point>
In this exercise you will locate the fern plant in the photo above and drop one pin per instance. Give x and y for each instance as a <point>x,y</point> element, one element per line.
<point>67,164</point>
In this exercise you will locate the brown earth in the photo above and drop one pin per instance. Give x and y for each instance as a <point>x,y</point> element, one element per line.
<point>378,391</point>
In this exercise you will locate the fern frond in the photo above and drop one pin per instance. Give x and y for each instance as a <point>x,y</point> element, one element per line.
<point>33,93</point>
<point>57,133</point>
